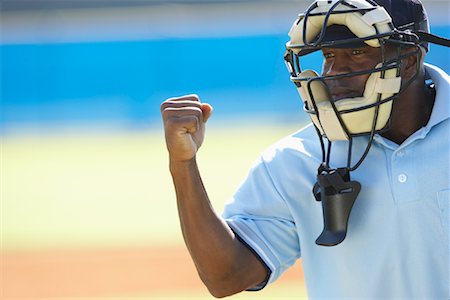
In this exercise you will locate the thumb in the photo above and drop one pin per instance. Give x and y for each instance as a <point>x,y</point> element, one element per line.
<point>207,110</point>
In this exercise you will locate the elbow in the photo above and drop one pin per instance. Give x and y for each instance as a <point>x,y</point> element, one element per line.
<point>221,288</point>
<point>220,292</point>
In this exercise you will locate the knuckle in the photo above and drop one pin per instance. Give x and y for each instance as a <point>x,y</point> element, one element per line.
<point>162,106</point>
<point>192,97</point>
<point>166,103</point>
<point>180,104</point>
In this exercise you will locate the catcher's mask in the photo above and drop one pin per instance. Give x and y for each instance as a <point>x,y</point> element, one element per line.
<point>349,24</point>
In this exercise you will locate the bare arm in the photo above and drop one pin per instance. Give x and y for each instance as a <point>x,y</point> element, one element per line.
<point>224,264</point>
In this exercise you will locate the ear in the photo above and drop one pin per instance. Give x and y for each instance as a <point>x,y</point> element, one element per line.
<point>410,63</point>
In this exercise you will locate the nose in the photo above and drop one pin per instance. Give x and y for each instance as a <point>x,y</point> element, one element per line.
<point>338,62</point>
<point>336,66</point>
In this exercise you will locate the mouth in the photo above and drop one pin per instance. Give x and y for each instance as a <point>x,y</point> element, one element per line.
<point>343,93</point>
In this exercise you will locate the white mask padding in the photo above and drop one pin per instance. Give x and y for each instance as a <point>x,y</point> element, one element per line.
<point>356,122</point>
<point>320,93</point>
<point>361,25</point>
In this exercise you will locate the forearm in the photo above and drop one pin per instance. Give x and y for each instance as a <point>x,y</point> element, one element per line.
<point>225,265</point>
<point>208,238</point>
<point>217,254</point>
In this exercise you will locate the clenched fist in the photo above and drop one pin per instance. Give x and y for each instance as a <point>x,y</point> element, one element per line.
<point>184,125</point>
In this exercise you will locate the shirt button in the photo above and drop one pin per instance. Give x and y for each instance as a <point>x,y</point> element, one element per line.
<point>402,178</point>
<point>401,153</point>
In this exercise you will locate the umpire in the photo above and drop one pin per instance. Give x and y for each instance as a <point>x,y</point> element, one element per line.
<point>369,215</point>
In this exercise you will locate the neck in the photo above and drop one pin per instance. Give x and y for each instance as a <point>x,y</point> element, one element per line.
<point>411,111</point>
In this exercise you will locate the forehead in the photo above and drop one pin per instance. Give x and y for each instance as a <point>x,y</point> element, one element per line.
<point>350,48</point>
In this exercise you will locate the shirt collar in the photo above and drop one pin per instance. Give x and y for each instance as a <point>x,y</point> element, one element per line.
<point>441,108</point>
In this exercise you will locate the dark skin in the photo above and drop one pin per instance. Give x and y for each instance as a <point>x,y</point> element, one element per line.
<point>412,109</point>
<point>224,264</point>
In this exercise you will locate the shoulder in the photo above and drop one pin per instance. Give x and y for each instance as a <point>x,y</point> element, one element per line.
<point>303,143</point>
<point>439,76</point>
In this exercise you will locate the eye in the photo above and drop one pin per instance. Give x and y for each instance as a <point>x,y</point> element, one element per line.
<point>327,55</point>
<point>357,51</point>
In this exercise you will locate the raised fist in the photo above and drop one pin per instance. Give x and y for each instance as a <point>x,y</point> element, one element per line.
<point>184,125</point>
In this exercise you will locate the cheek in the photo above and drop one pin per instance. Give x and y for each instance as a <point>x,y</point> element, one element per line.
<point>325,68</point>
<point>359,82</point>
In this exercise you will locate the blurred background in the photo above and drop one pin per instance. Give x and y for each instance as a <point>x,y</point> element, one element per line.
<point>87,204</point>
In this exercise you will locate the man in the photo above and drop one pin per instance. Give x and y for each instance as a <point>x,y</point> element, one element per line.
<point>370,215</point>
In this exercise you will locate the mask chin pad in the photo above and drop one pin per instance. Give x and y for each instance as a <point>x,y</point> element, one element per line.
<point>325,120</point>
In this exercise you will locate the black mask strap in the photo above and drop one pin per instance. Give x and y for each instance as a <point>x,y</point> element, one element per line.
<point>426,36</point>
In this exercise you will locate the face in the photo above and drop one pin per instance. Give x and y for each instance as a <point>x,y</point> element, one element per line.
<point>346,60</point>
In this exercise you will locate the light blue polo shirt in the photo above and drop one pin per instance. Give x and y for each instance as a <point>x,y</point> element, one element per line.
<point>397,245</point>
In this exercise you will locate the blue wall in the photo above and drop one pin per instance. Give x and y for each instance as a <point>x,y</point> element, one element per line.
<point>126,81</point>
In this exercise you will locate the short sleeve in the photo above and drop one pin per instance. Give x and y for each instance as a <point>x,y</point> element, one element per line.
<point>259,215</point>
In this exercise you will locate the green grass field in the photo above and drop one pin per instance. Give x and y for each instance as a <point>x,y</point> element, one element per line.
<point>106,188</point>
<point>71,190</point>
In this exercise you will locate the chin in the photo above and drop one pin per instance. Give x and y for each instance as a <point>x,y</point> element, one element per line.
<point>341,97</point>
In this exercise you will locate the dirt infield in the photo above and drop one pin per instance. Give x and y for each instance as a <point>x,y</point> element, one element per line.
<point>102,273</point>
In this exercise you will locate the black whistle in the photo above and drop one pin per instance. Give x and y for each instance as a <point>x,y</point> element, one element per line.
<point>337,194</point>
